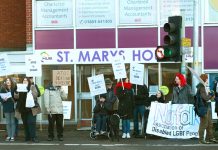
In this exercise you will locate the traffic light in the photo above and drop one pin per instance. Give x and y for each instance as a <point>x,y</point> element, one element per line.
<point>170,51</point>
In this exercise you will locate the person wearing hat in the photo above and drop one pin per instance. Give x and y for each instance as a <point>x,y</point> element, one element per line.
<point>104,107</point>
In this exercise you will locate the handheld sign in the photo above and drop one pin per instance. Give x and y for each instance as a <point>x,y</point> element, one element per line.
<point>97,85</point>
<point>136,73</point>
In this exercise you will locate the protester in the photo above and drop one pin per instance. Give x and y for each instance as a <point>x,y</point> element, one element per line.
<point>182,93</point>
<point>140,99</point>
<point>215,89</point>
<point>8,107</point>
<point>53,97</point>
<point>104,107</point>
<point>101,111</point>
<point>205,121</point>
<point>28,114</point>
<point>124,92</point>
<point>159,97</point>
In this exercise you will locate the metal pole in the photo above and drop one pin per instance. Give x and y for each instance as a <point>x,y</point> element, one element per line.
<point>195,43</point>
<point>183,68</point>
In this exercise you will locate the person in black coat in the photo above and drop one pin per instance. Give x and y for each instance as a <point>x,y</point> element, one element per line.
<point>140,98</point>
<point>124,92</point>
<point>101,111</point>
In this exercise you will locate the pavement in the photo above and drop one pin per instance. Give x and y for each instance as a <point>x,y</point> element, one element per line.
<point>81,137</point>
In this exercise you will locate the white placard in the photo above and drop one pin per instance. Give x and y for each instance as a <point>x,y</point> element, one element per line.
<point>33,66</point>
<point>119,69</point>
<point>97,85</point>
<point>138,12</point>
<point>173,121</point>
<point>5,95</point>
<point>21,87</point>
<point>4,65</point>
<point>67,106</point>
<point>95,13</point>
<point>136,73</point>
<point>214,114</point>
<point>53,13</point>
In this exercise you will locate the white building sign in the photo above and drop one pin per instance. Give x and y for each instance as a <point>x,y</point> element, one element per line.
<point>53,13</point>
<point>95,13</point>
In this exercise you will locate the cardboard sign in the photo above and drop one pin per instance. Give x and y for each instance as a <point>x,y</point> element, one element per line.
<point>62,77</point>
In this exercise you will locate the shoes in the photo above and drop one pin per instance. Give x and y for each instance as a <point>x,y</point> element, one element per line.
<point>34,140</point>
<point>127,135</point>
<point>124,135</point>
<point>102,132</point>
<point>60,139</point>
<point>213,140</point>
<point>204,142</point>
<point>97,133</point>
<point>50,139</point>
<point>7,139</point>
<point>12,139</point>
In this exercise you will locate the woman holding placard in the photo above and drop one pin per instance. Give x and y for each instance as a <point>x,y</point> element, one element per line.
<point>7,101</point>
<point>124,92</point>
<point>25,105</point>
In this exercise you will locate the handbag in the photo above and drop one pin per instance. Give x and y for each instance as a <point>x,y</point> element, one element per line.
<point>36,110</point>
<point>29,100</point>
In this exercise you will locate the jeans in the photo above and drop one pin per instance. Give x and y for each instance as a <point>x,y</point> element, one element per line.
<point>139,109</point>
<point>101,120</point>
<point>126,125</point>
<point>10,124</point>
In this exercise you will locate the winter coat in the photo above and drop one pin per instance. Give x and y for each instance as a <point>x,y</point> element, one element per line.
<point>154,98</point>
<point>53,101</point>
<point>102,108</point>
<point>141,97</point>
<point>125,96</point>
<point>204,95</point>
<point>110,99</point>
<point>8,105</point>
<point>182,95</point>
<point>21,101</point>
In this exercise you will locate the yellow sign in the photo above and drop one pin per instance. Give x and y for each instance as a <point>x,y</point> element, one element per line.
<point>186,42</point>
<point>164,89</point>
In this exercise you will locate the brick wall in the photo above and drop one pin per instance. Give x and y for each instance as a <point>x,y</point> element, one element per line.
<point>28,21</point>
<point>13,25</point>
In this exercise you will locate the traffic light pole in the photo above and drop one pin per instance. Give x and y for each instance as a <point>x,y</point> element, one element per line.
<point>183,67</point>
<point>195,43</point>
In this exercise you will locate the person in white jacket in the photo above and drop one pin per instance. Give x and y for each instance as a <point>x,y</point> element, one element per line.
<point>53,97</point>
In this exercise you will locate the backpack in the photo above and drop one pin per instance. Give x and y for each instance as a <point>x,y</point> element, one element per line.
<point>199,107</point>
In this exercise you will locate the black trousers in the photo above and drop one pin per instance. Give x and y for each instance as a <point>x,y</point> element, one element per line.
<point>29,123</point>
<point>58,119</point>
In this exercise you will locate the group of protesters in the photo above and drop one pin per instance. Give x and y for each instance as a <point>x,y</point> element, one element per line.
<point>128,100</point>
<point>134,101</point>
<point>16,106</point>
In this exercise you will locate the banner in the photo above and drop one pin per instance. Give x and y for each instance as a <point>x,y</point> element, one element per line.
<point>173,121</point>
